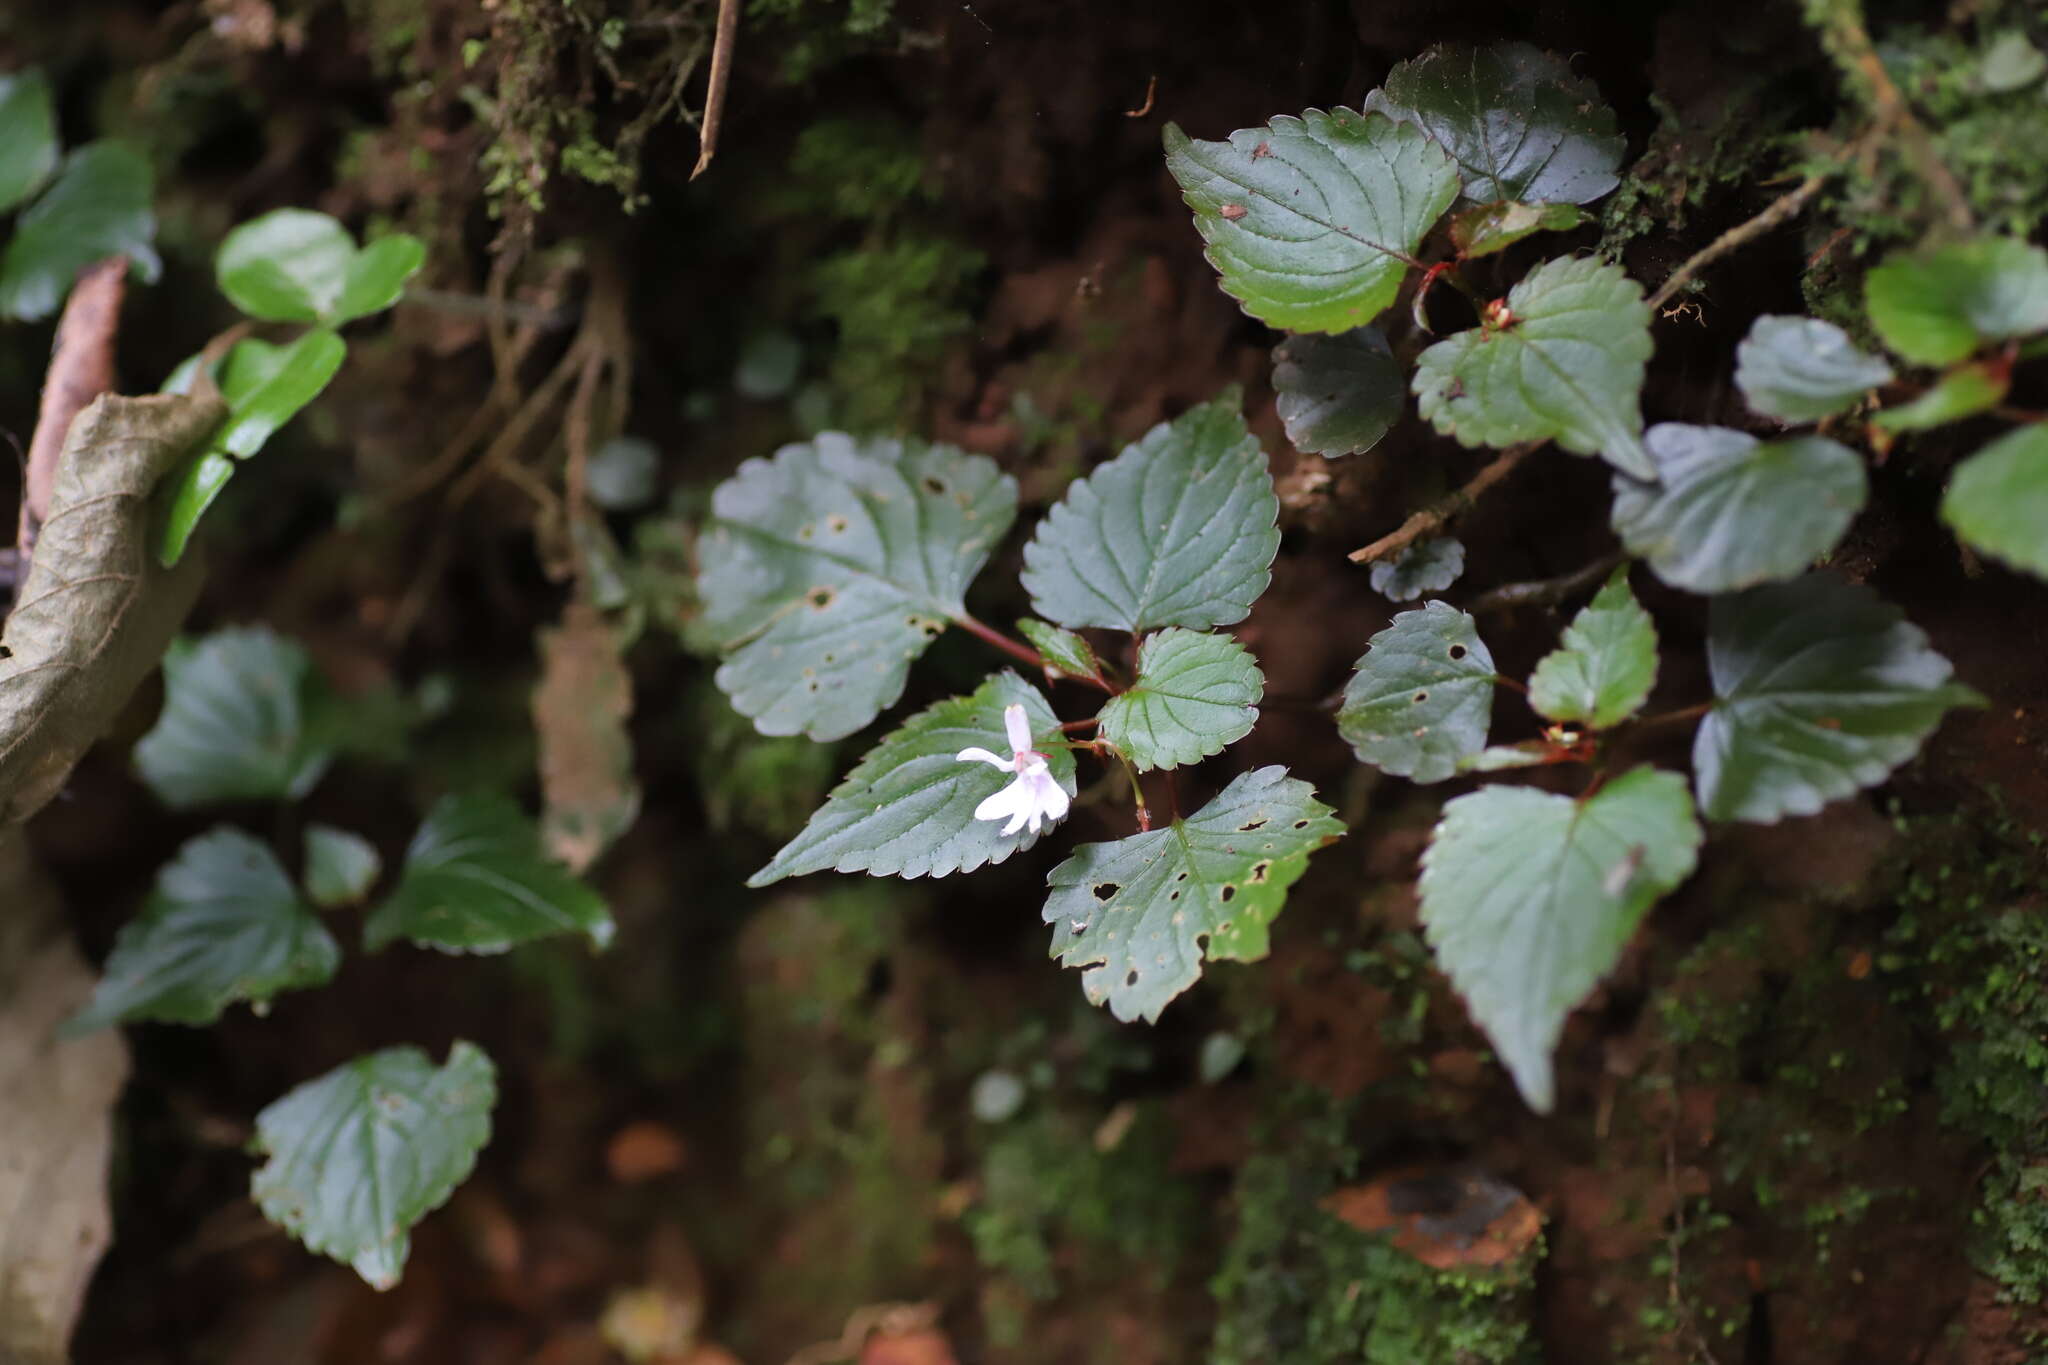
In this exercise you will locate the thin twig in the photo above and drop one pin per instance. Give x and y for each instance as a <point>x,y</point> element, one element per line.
<point>1778,211</point>
<point>1545,592</point>
<point>81,369</point>
<point>1442,512</point>
<point>721,76</point>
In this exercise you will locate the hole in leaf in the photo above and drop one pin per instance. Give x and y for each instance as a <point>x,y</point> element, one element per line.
<point>1250,825</point>
<point>1419,698</point>
<point>1106,890</point>
<point>819,597</point>
<point>1259,870</point>
<point>1228,892</point>
<point>1457,652</point>
<point>934,485</point>
<point>1131,977</point>
<point>1301,824</point>
<point>835,522</point>
<point>1180,876</point>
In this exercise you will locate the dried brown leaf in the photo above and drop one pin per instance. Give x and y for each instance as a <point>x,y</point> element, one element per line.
<point>586,758</point>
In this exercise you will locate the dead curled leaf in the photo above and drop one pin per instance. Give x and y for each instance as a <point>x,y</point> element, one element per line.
<point>96,610</point>
<point>586,757</point>
<point>1446,1219</point>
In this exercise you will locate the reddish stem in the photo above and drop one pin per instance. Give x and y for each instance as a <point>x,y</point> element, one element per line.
<point>1069,727</point>
<point>1017,649</point>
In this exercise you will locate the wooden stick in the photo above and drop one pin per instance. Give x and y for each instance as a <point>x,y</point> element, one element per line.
<point>81,369</point>
<point>1440,513</point>
<point>721,76</point>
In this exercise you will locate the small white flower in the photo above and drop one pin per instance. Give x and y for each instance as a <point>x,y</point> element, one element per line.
<point>1036,796</point>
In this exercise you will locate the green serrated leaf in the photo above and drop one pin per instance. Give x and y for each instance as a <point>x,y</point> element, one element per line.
<point>476,881</point>
<point>223,924</point>
<point>1314,221</point>
<point>1140,914</point>
<point>1963,392</point>
<point>907,808</point>
<point>235,723</point>
<point>265,386</point>
<point>341,866</point>
<point>1802,369</point>
<point>193,490</point>
<point>1564,363</point>
<point>1820,688</point>
<point>1604,668</point>
<point>828,569</point>
<point>1520,124</point>
<point>1195,695</point>
<point>1997,500</point>
<point>1429,565</point>
<point>295,265</point>
<point>1067,652</point>
<point>1730,511</point>
<point>1337,395</point>
<point>1528,898</point>
<point>1422,698</point>
<point>1178,530</point>
<point>359,1156</point>
<point>1935,307</point>
<point>28,136</point>
<point>1485,229</point>
<point>99,206</point>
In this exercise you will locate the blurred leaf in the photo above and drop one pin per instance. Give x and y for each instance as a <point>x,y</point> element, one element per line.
<point>768,784</point>
<point>1337,395</point>
<point>624,474</point>
<point>770,364</point>
<point>1935,307</point>
<point>476,881</point>
<point>197,485</point>
<point>1820,689</point>
<point>1428,565</point>
<point>907,808</point>
<point>295,265</point>
<point>265,386</point>
<point>1963,392</point>
<point>580,709</point>
<point>1140,914</point>
<point>1803,369</point>
<point>341,866</point>
<point>1178,530</point>
<point>235,724</point>
<point>2010,63</point>
<point>1485,229</point>
<point>224,924</point>
<point>1422,698</point>
<point>1520,124</point>
<point>1528,898</point>
<point>1603,669</point>
<point>1730,511</point>
<point>1997,500</point>
<point>1314,221</point>
<point>825,571</point>
<point>28,136</point>
<point>98,207</point>
<point>360,1155</point>
<point>1194,696</point>
<point>1564,362</point>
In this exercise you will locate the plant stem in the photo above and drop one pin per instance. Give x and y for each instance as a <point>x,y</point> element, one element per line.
<point>1440,513</point>
<point>1673,717</point>
<point>1022,652</point>
<point>1545,592</point>
<point>1072,726</point>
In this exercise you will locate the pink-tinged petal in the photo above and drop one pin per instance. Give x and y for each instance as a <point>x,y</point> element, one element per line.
<point>977,754</point>
<point>1018,725</point>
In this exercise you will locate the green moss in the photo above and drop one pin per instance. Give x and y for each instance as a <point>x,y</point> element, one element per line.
<point>814,34</point>
<point>1300,1287</point>
<point>896,303</point>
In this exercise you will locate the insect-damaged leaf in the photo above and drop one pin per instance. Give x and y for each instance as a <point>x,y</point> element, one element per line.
<point>237,721</point>
<point>1422,697</point>
<point>1429,565</point>
<point>28,135</point>
<point>1486,228</point>
<point>1312,222</point>
<point>366,1151</point>
<point>1195,695</point>
<point>1563,359</point>
<point>476,881</point>
<point>907,808</point>
<point>99,206</point>
<point>224,924</point>
<point>580,709</point>
<point>1178,530</point>
<point>1820,688</point>
<point>1998,499</point>
<point>1607,662</point>
<point>1520,124</point>
<point>1935,307</point>
<point>1140,914</point>
<point>294,265</point>
<point>1337,395</point>
<point>1803,369</point>
<point>1730,511</point>
<point>826,570</point>
<point>1528,898</point>
<point>94,612</point>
